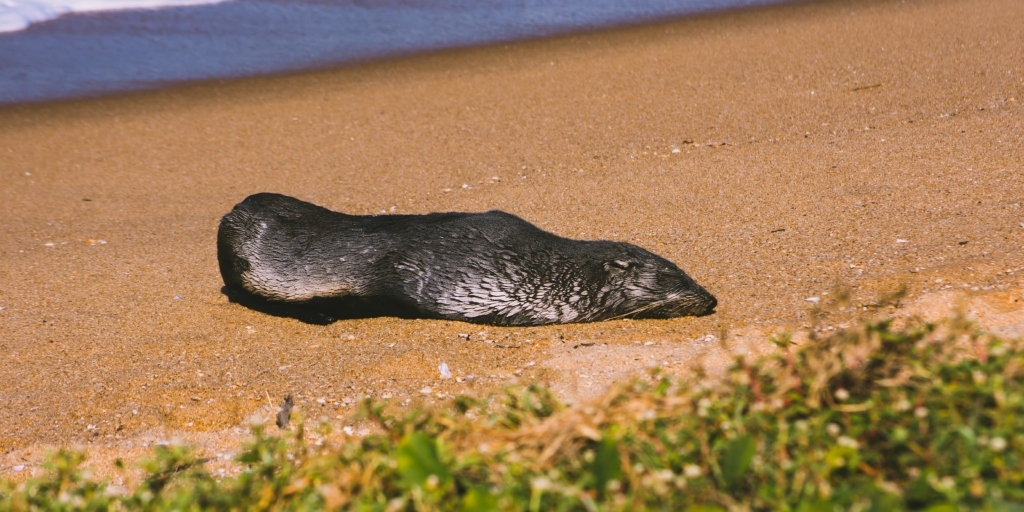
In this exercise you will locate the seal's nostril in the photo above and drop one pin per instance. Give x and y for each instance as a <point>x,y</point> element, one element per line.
<point>712,303</point>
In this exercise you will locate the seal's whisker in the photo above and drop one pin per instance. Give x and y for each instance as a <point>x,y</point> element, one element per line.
<point>680,297</point>
<point>644,308</point>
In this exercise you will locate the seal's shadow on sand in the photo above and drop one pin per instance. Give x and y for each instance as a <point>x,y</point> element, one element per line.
<point>322,311</point>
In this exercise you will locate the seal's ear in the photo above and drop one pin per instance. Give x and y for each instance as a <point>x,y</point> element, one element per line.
<point>619,265</point>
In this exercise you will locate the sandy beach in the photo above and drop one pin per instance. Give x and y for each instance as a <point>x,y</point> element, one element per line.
<point>826,150</point>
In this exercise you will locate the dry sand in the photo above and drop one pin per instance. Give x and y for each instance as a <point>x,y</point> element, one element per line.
<point>776,155</point>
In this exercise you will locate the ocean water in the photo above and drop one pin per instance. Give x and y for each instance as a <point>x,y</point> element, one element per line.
<point>17,15</point>
<point>58,49</point>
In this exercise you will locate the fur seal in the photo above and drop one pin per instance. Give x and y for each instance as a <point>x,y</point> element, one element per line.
<point>492,268</point>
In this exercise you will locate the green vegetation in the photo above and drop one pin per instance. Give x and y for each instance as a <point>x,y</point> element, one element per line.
<point>925,418</point>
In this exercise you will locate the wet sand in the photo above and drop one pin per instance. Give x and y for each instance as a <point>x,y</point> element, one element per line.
<point>776,155</point>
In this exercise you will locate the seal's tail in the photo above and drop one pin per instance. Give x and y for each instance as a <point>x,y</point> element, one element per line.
<point>243,236</point>
<point>230,236</point>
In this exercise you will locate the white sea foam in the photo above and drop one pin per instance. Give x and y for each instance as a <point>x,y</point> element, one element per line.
<point>17,15</point>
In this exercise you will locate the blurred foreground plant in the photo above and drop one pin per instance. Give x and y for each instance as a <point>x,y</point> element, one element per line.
<point>925,418</point>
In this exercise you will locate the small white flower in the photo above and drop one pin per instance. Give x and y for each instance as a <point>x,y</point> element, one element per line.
<point>997,444</point>
<point>540,483</point>
<point>946,483</point>
<point>692,471</point>
<point>833,429</point>
<point>848,442</point>
<point>842,395</point>
<point>921,412</point>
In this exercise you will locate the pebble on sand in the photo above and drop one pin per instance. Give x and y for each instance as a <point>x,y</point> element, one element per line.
<point>446,373</point>
<point>813,299</point>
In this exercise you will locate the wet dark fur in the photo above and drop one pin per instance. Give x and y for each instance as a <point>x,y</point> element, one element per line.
<point>491,267</point>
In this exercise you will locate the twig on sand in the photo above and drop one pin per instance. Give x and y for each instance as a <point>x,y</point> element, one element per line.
<point>866,87</point>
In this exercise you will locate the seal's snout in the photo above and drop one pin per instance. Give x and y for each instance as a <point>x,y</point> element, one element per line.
<point>712,303</point>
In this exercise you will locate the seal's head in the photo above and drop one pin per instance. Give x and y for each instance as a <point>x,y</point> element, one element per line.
<point>640,284</point>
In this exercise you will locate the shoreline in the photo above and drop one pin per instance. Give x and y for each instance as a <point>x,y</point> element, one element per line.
<point>104,52</point>
<point>699,140</point>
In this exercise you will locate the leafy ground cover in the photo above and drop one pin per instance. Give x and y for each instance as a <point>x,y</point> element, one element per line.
<point>872,418</point>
